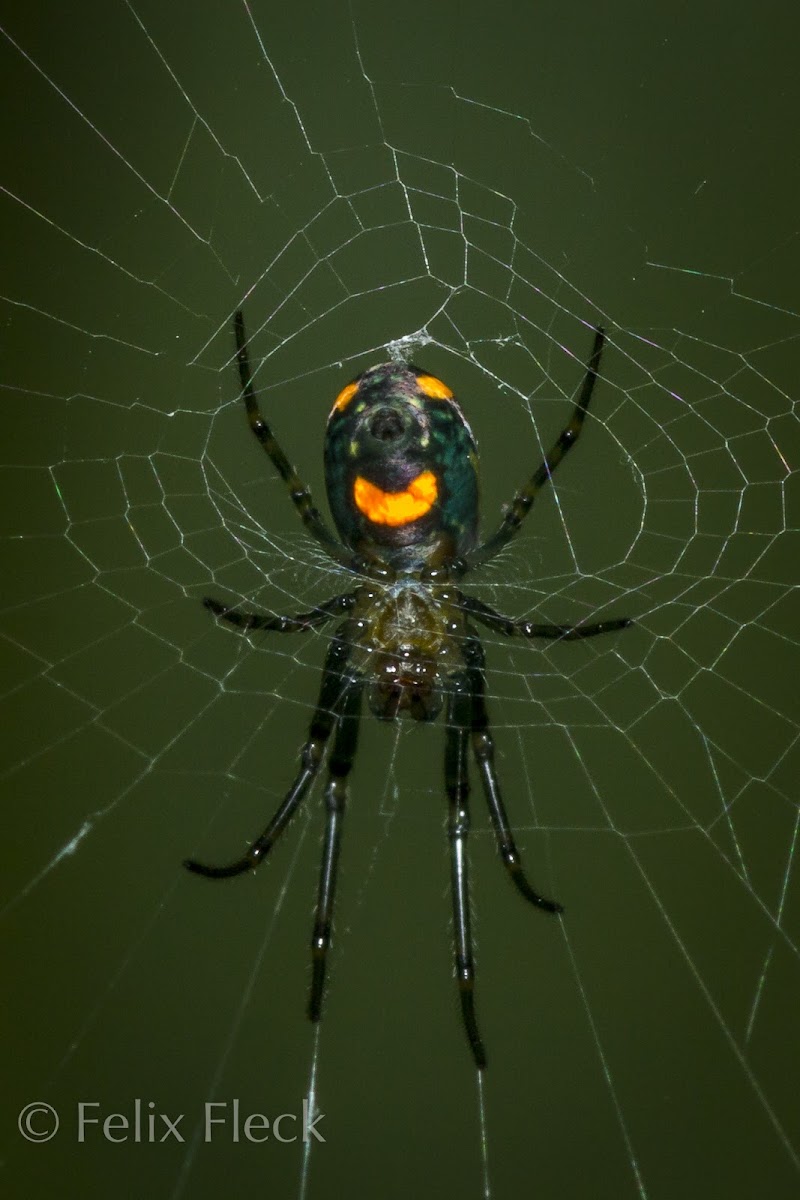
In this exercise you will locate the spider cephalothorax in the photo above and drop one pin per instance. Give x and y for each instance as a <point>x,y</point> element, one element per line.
<point>405,647</point>
<point>401,468</point>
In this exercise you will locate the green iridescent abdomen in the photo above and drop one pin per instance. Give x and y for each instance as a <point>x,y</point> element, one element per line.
<point>401,468</point>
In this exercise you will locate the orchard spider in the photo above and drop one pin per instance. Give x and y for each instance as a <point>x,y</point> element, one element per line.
<point>401,472</point>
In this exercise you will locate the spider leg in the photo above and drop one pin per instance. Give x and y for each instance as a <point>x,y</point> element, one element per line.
<point>483,749</point>
<point>509,625</point>
<point>322,722</point>
<point>339,765</point>
<point>275,621</point>
<point>298,491</point>
<point>459,710</point>
<point>523,500</point>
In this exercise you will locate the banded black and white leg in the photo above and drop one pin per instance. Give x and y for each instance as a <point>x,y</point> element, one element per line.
<point>522,502</point>
<point>338,707</point>
<point>333,689</point>
<point>483,751</point>
<point>457,734</point>
<point>299,493</point>
<point>468,723</point>
<point>340,763</point>
<point>509,626</point>
<point>249,621</point>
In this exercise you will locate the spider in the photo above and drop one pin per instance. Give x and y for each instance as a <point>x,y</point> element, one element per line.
<point>401,472</point>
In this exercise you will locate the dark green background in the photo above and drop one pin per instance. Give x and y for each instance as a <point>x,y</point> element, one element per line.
<point>626,163</point>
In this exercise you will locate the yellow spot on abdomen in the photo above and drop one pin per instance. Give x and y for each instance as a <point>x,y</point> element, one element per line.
<point>396,508</point>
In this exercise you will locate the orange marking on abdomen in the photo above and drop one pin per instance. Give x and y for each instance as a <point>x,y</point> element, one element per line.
<point>396,508</point>
<point>433,387</point>
<point>345,396</point>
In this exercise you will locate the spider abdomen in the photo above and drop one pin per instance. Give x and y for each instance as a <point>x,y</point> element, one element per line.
<point>401,468</point>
